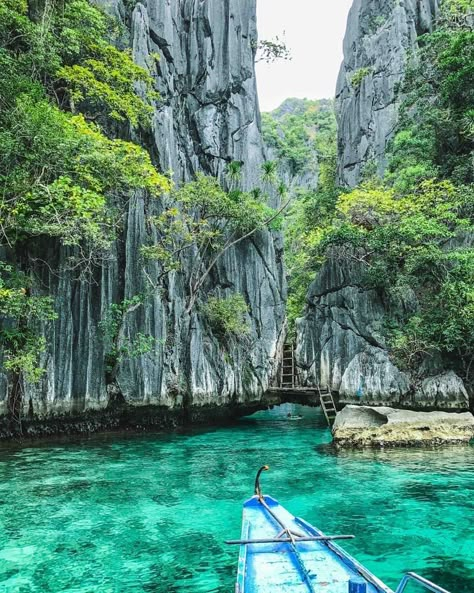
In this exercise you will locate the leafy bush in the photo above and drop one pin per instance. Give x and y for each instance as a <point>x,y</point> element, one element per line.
<point>117,345</point>
<point>228,316</point>
<point>417,242</point>
<point>23,309</point>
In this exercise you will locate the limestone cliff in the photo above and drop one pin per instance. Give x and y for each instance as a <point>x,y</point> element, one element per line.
<point>379,38</point>
<point>208,116</point>
<point>341,346</point>
<point>340,337</point>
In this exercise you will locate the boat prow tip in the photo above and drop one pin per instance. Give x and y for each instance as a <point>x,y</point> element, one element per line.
<point>255,500</point>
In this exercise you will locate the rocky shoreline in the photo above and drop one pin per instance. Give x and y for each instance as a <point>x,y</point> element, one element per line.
<point>365,426</point>
<point>126,418</point>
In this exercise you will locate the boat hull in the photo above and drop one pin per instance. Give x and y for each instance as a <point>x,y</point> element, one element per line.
<point>281,566</point>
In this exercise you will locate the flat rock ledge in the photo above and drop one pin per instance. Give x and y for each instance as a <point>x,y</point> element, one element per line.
<point>364,426</point>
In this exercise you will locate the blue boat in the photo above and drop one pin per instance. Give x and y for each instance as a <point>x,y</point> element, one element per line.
<point>280,553</point>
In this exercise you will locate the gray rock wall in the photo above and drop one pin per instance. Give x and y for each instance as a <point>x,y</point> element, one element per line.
<point>208,115</point>
<point>340,346</point>
<point>339,340</point>
<point>380,36</point>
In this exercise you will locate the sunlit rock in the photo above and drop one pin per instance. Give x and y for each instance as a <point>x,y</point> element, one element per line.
<point>363,426</point>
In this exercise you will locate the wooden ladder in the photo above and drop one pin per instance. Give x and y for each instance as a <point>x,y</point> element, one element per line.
<point>287,377</point>
<point>328,406</point>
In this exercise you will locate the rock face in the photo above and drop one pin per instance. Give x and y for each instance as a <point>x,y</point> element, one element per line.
<point>340,343</point>
<point>363,426</point>
<point>380,34</point>
<point>208,116</point>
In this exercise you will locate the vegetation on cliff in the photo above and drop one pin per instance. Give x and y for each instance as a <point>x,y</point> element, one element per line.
<point>70,101</point>
<point>63,85</point>
<point>302,133</point>
<point>413,230</point>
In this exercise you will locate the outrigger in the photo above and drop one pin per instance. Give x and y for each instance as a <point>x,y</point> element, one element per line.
<point>282,553</point>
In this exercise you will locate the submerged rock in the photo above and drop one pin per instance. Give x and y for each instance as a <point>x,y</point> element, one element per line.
<point>364,426</point>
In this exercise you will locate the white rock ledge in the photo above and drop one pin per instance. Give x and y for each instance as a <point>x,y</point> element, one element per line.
<point>364,426</point>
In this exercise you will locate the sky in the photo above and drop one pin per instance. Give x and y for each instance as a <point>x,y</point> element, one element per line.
<point>314,31</point>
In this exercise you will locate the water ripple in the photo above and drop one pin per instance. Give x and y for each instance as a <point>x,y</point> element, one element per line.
<point>149,513</point>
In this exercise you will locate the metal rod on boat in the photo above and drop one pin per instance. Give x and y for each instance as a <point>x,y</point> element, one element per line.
<point>291,536</point>
<point>258,490</point>
<point>319,538</point>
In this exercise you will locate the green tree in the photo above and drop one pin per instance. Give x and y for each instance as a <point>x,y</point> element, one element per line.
<point>206,221</point>
<point>63,84</point>
<point>228,316</point>
<point>303,135</point>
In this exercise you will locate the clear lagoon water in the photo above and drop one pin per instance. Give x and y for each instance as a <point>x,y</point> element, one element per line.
<point>149,513</point>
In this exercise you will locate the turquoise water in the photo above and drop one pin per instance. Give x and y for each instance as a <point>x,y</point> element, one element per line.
<point>149,513</point>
